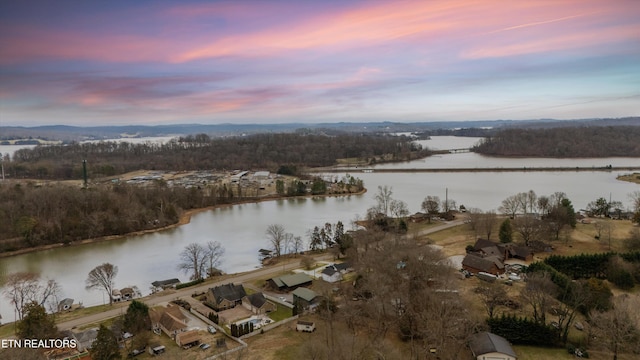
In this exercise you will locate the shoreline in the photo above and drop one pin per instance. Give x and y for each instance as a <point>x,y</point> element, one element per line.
<point>184,219</point>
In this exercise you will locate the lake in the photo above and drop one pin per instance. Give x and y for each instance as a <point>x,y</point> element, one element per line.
<point>241,228</point>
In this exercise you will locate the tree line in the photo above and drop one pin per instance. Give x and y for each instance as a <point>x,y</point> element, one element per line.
<point>595,141</point>
<point>40,215</point>
<point>200,152</point>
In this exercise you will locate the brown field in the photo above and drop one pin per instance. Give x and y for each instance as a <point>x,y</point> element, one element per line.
<point>634,178</point>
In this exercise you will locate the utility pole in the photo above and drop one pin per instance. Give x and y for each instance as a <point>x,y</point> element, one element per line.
<point>84,172</point>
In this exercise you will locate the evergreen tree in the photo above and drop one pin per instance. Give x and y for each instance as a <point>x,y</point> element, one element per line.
<point>106,345</point>
<point>36,323</point>
<point>137,318</point>
<point>316,239</point>
<point>506,232</point>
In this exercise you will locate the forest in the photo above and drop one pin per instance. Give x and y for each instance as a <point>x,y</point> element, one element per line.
<point>200,152</point>
<point>571,142</point>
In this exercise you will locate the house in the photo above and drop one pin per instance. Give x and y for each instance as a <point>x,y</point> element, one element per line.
<point>418,217</point>
<point>116,295</point>
<point>334,273</point>
<point>127,293</point>
<point>290,282</point>
<point>474,264</point>
<point>169,320</point>
<point>487,248</point>
<point>165,284</point>
<point>225,296</point>
<point>513,251</point>
<point>305,298</point>
<point>258,304</point>
<point>85,339</point>
<point>65,305</point>
<point>188,339</point>
<point>331,274</point>
<point>486,345</point>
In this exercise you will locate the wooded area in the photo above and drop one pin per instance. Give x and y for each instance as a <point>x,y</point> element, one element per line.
<point>200,152</point>
<point>596,141</point>
<point>33,216</point>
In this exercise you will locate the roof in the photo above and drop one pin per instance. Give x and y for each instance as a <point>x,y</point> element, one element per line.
<point>229,292</point>
<point>170,317</point>
<point>168,282</point>
<point>304,294</point>
<point>261,174</point>
<point>342,266</point>
<point>67,302</point>
<point>329,270</point>
<point>126,290</point>
<point>292,280</point>
<point>485,342</point>
<point>87,335</point>
<point>483,243</point>
<point>257,300</point>
<point>187,337</point>
<point>479,263</point>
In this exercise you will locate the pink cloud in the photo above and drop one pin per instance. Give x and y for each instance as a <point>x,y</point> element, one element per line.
<point>558,42</point>
<point>188,32</point>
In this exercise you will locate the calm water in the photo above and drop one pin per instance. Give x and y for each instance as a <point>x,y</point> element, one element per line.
<point>241,228</point>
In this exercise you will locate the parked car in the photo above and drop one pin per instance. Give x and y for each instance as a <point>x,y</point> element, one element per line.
<point>204,346</point>
<point>212,329</point>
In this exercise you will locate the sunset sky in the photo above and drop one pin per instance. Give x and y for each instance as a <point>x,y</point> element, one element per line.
<point>210,62</point>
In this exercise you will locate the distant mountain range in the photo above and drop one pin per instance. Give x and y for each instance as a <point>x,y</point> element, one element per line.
<point>76,133</point>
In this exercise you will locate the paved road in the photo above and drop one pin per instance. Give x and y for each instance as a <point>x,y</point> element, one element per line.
<point>156,299</point>
<point>435,229</point>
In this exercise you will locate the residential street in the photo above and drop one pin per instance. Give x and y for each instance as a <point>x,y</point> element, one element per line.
<point>156,299</point>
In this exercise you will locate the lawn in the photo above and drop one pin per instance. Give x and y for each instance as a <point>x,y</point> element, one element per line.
<point>7,330</point>
<point>281,313</point>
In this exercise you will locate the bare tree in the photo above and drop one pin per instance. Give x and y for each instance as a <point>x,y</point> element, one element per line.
<point>543,205</point>
<point>431,205</point>
<point>492,295</point>
<point>529,228</point>
<point>23,288</point>
<point>276,236</point>
<point>193,260</point>
<point>619,327</point>
<point>102,278</point>
<point>383,199</point>
<point>488,221</point>
<point>539,293</point>
<point>399,209</point>
<point>297,244</point>
<point>214,253</point>
<point>511,206</point>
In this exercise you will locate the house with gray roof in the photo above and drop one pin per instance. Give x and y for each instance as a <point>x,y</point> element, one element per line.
<point>486,345</point>
<point>86,338</point>
<point>225,296</point>
<point>258,304</point>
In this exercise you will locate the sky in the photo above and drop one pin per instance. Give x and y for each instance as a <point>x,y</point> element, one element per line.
<point>91,63</point>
